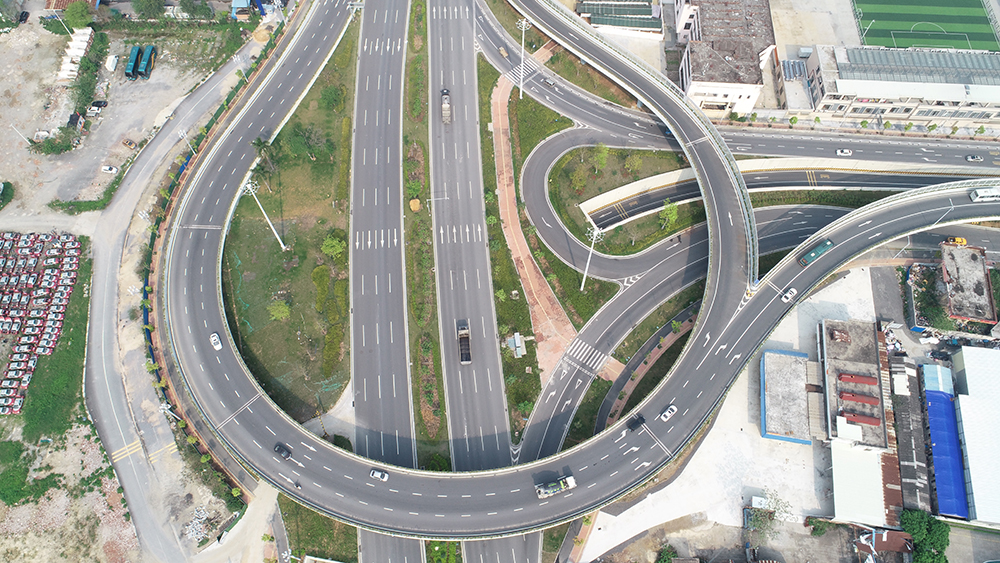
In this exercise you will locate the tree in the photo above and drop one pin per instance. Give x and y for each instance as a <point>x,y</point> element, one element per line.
<point>264,150</point>
<point>261,173</point>
<point>676,326</point>
<point>817,121</point>
<point>77,15</point>
<point>793,120</point>
<point>932,127</point>
<point>634,230</point>
<point>981,130</point>
<point>599,157</point>
<point>886,125</point>
<point>633,163</point>
<point>578,179</point>
<point>279,310</point>
<point>151,366</point>
<point>500,295</point>
<point>762,522</point>
<point>192,440</point>
<point>668,215</point>
<point>864,124</point>
<point>908,126</point>
<point>148,9</point>
<point>930,536</point>
<point>333,246</point>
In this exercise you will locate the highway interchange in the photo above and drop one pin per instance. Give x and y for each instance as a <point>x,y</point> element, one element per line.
<point>501,500</point>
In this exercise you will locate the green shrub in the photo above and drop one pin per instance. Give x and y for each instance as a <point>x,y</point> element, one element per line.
<point>321,279</point>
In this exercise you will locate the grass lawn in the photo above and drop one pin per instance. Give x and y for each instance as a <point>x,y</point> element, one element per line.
<point>508,18</point>
<point>530,124</point>
<point>655,374</point>
<point>658,318</point>
<point>579,165</point>
<point>552,540</point>
<point>565,64</point>
<point>585,419</point>
<point>953,24</point>
<point>309,532</point>
<point>301,358</point>
<point>443,552</point>
<point>520,374</point>
<point>425,350</point>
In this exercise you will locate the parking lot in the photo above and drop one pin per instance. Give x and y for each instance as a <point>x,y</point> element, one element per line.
<point>37,274</point>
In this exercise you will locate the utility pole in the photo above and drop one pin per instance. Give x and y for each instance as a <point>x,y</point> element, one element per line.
<point>251,188</point>
<point>595,235</point>
<point>523,25</point>
<point>183,135</point>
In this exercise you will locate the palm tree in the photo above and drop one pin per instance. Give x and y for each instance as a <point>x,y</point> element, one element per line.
<point>263,149</point>
<point>259,174</point>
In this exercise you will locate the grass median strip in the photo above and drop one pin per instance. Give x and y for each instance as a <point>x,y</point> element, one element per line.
<point>430,409</point>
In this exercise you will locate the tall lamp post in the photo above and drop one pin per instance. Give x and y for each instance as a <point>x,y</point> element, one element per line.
<point>594,234</point>
<point>251,188</point>
<point>523,25</point>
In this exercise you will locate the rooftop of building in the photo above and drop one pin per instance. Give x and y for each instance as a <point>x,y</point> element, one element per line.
<point>784,409</point>
<point>942,66</point>
<point>968,283</point>
<point>62,4</point>
<point>733,35</point>
<point>909,417</point>
<point>977,371</point>
<point>853,379</point>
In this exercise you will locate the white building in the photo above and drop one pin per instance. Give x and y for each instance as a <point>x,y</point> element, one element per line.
<point>729,58</point>
<point>977,394</point>
<point>925,86</point>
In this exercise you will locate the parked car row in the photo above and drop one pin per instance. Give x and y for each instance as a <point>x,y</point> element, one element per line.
<point>37,274</point>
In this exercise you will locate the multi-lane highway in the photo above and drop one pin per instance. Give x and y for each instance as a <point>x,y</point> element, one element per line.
<point>500,501</point>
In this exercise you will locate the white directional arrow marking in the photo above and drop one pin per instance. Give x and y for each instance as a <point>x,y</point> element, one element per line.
<point>552,394</point>
<point>308,446</point>
<point>442,235</point>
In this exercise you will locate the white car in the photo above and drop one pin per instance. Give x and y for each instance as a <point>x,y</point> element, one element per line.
<point>844,152</point>
<point>669,412</point>
<point>215,340</point>
<point>109,169</point>
<point>789,295</point>
<point>380,475</point>
<point>973,158</point>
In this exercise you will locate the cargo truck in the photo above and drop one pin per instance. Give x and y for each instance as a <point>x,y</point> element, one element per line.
<point>464,348</point>
<point>546,490</point>
<point>445,106</point>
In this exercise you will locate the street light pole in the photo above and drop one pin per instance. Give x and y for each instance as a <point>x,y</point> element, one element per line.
<point>251,188</point>
<point>595,235</point>
<point>183,135</point>
<point>523,25</point>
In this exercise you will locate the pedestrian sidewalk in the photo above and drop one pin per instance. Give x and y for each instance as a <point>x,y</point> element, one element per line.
<point>552,327</point>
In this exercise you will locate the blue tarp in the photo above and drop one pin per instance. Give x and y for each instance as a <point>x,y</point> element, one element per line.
<point>948,471</point>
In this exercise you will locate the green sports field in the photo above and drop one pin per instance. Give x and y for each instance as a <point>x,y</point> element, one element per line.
<point>957,24</point>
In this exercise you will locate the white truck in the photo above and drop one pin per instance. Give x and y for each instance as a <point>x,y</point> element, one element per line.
<point>445,106</point>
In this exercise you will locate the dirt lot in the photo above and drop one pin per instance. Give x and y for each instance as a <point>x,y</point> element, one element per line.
<point>84,520</point>
<point>31,101</point>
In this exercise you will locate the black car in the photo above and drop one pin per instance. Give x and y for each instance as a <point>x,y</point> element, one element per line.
<point>99,104</point>
<point>281,450</point>
<point>23,18</point>
<point>636,422</point>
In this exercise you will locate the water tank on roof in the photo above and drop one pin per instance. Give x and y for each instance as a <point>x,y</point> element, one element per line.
<point>805,52</point>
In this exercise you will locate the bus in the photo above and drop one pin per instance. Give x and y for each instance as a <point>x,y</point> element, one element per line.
<point>133,62</point>
<point>986,194</point>
<point>148,60</point>
<point>815,253</point>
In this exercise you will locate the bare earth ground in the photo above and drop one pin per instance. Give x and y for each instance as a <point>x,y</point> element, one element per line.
<point>31,100</point>
<point>65,527</point>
